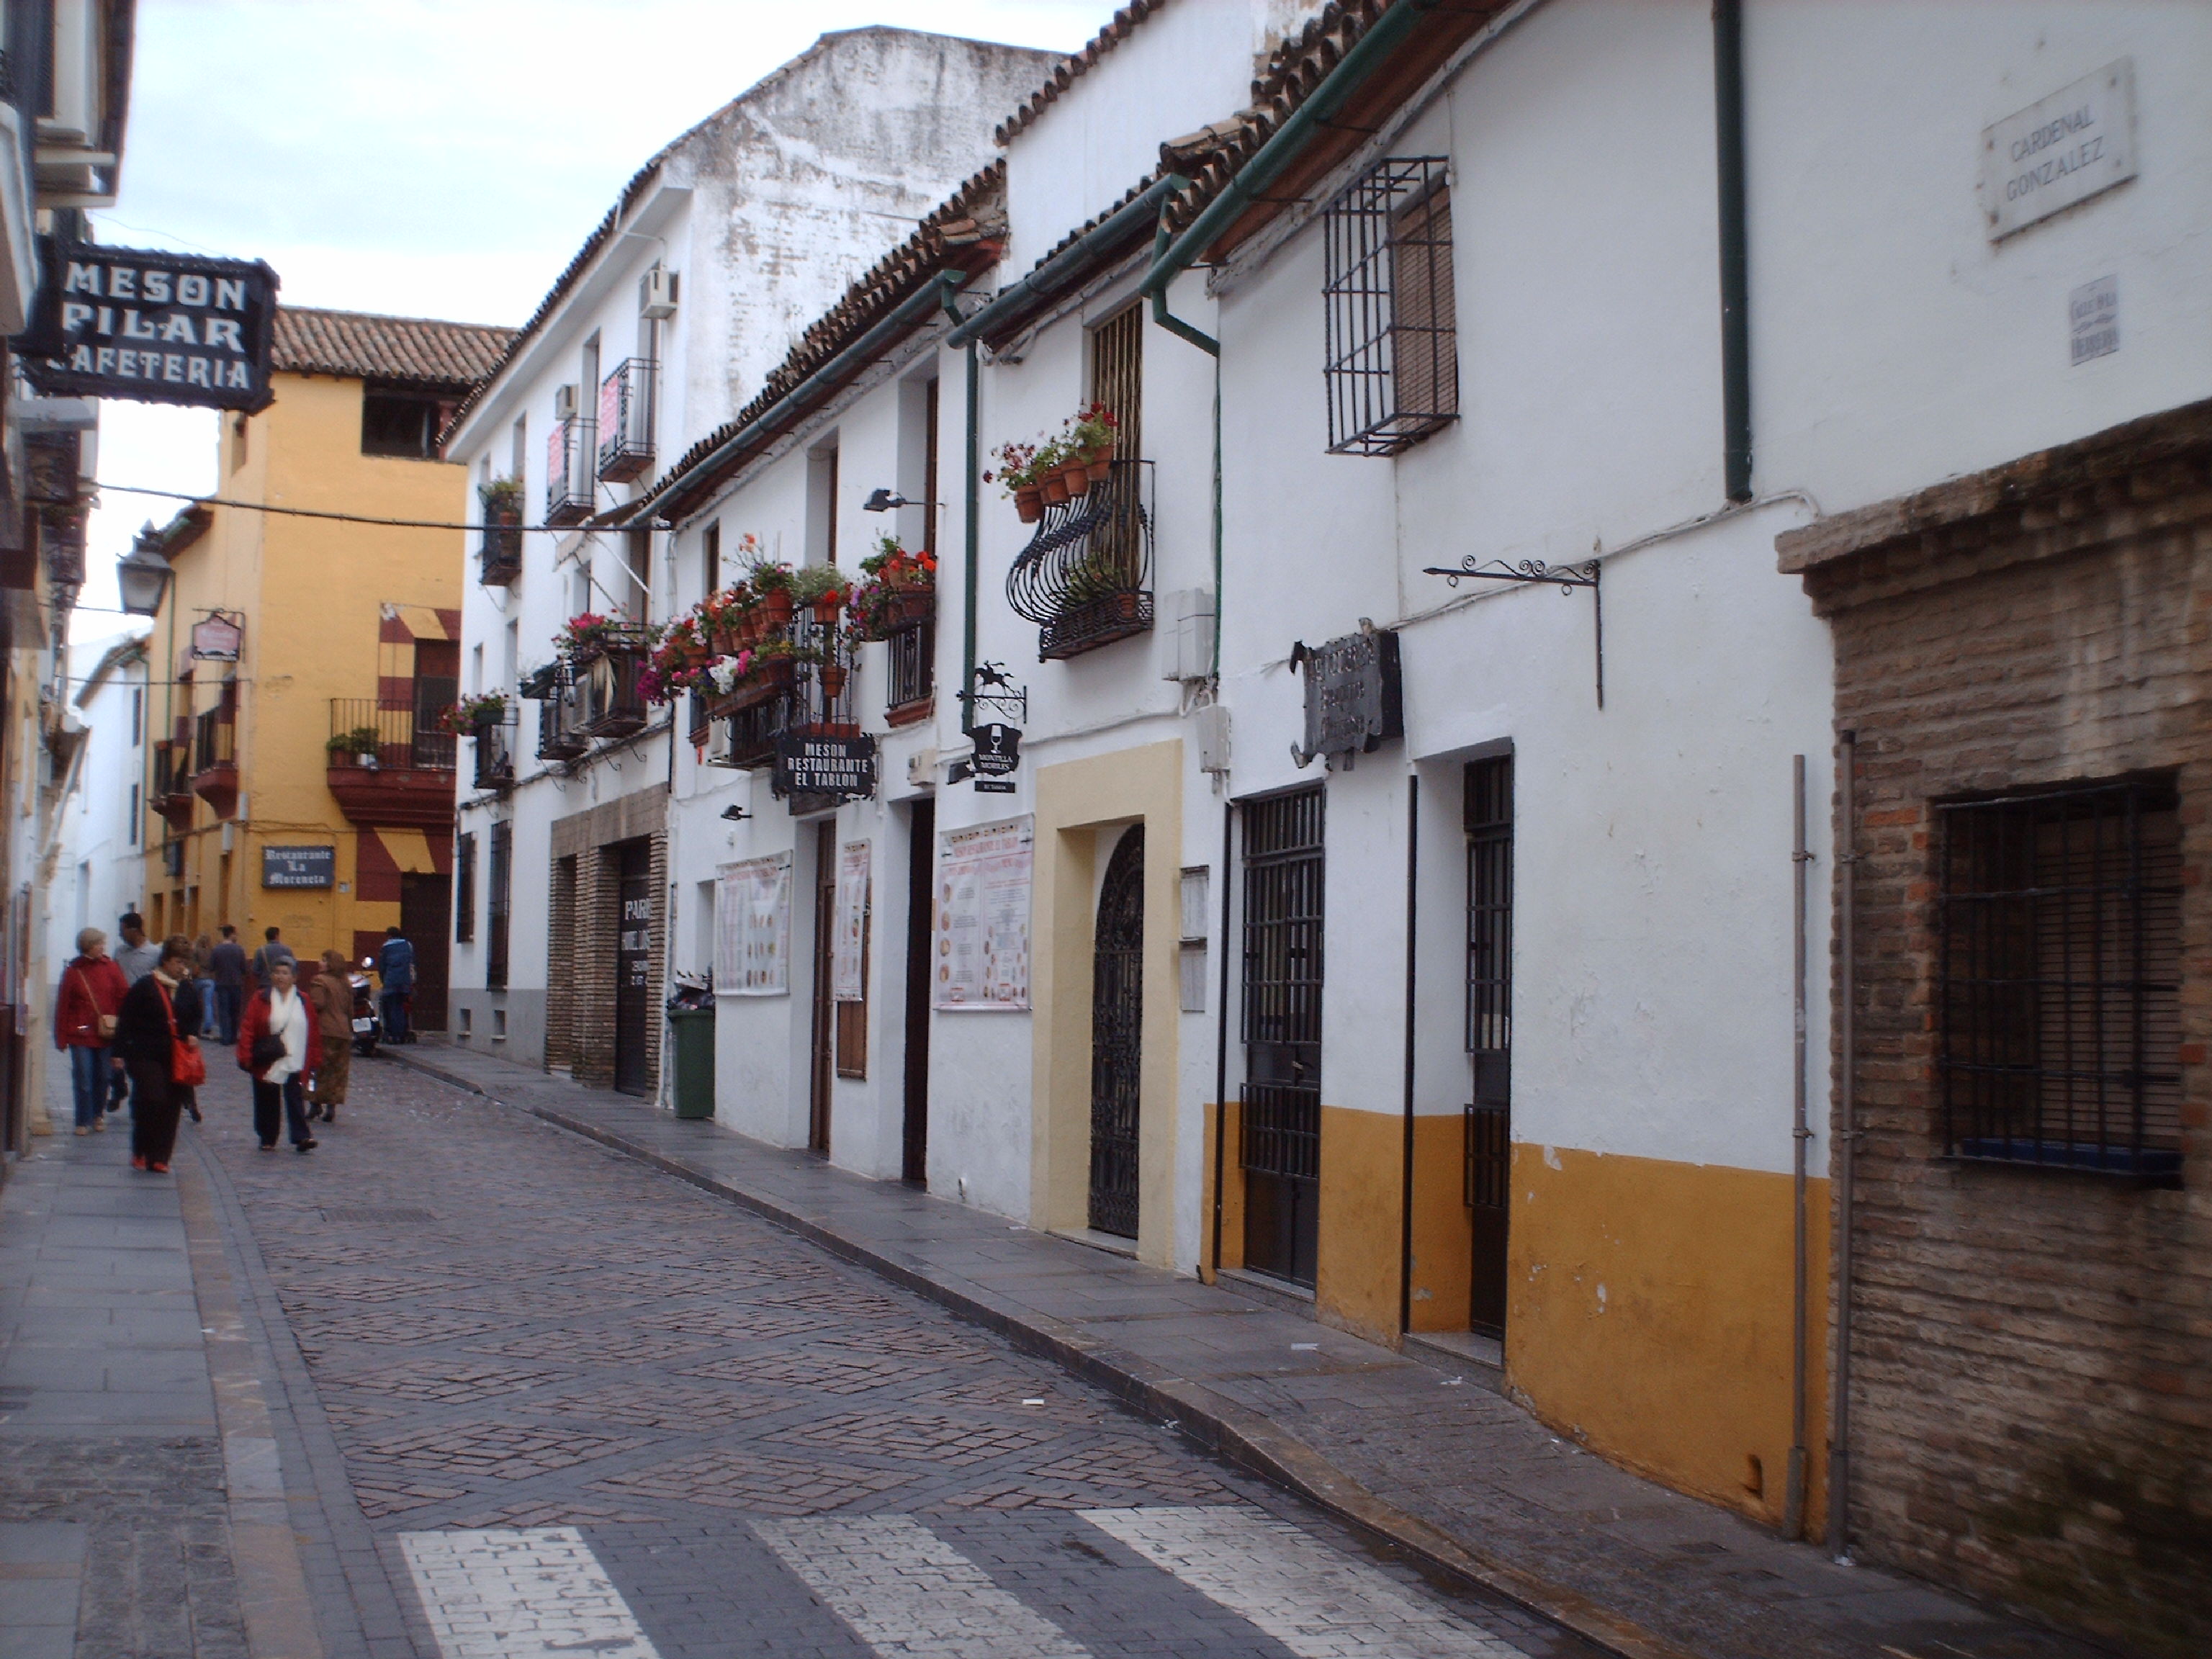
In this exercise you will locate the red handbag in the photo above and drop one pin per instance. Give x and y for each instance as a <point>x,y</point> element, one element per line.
<point>187,1065</point>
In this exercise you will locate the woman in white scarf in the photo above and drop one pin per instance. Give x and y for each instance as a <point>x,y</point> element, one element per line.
<point>276,1043</point>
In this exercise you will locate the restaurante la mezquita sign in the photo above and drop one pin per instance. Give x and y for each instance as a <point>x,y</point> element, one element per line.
<point>151,325</point>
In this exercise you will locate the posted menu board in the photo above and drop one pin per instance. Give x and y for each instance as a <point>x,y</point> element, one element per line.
<point>752,928</point>
<point>848,951</point>
<point>982,950</point>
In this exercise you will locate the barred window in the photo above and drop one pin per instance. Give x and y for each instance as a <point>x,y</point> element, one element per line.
<point>464,889</point>
<point>1392,365</point>
<point>2060,980</point>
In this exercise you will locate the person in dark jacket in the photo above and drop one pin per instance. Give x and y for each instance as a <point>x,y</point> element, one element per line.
<point>395,966</point>
<point>227,965</point>
<point>92,989</point>
<point>160,1008</point>
<point>281,1076</point>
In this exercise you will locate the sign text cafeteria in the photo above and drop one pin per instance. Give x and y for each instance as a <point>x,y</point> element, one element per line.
<point>153,325</point>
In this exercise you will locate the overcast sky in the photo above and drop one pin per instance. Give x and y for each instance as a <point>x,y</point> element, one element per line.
<point>430,158</point>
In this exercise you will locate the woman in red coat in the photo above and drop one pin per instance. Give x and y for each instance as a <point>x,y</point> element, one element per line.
<point>281,1026</point>
<point>92,992</point>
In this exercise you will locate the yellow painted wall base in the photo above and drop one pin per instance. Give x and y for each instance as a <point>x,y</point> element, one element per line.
<point>1650,1319</point>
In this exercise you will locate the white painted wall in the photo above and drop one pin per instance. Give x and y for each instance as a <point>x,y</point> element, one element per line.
<point>92,867</point>
<point>767,211</point>
<point>1892,343</point>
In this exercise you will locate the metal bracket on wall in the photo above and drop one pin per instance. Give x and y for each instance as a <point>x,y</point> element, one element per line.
<point>1566,577</point>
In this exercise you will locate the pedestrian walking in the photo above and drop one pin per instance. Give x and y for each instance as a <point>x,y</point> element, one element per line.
<point>276,1044</point>
<point>227,966</point>
<point>204,978</point>
<point>331,992</point>
<point>85,1012</point>
<point>395,966</point>
<point>138,953</point>
<point>155,1037</point>
<point>273,950</point>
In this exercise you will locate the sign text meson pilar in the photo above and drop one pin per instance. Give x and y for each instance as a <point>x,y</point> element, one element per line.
<point>151,325</point>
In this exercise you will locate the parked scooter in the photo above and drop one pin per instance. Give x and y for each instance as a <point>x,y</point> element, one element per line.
<point>367,1024</point>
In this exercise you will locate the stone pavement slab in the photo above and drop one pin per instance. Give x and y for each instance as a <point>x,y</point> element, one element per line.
<point>1450,1473</point>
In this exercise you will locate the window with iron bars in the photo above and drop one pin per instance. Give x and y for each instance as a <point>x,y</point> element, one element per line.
<point>1391,316</point>
<point>464,889</point>
<point>912,659</point>
<point>2059,979</point>
<point>499,875</point>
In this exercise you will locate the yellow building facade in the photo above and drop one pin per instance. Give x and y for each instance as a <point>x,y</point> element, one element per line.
<point>298,777</point>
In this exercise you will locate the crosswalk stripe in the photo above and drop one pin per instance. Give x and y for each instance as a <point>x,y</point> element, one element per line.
<point>520,1595</point>
<point>906,1592</point>
<point>1317,1603</point>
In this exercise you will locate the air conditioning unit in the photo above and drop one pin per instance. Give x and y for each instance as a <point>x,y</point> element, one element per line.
<point>922,768</point>
<point>564,403</point>
<point>656,295</point>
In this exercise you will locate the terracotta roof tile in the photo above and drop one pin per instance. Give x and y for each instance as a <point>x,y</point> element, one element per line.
<point>1212,156</point>
<point>1119,28</point>
<point>966,232</point>
<point>416,350</point>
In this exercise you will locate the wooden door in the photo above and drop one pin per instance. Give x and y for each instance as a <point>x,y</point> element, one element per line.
<point>921,929</point>
<point>822,1073</point>
<point>634,1023</point>
<point>425,916</point>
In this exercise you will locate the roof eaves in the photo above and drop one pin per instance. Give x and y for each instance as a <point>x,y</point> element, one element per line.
<point>1119,28</point>
<point>965,232</point>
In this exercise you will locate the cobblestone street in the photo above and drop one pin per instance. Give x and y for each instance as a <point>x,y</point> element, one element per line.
<point>568,1404</point>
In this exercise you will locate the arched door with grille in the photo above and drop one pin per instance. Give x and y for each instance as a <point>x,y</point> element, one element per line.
<point>1117,1009</point>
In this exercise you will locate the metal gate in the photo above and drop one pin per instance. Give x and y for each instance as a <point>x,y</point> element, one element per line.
<point>1489,821</point>
<point>1281,1098</point>
<point>634,1024</point>
<point>1118,1011</point>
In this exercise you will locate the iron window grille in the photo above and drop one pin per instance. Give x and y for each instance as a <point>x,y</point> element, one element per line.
<point>610,702</point>
<point>1283,877</point>
<point>913,663</point>
<point>214,732</point>
<point>499,873</point>
<point>2060,968</point>
<point>1085,576</point>
<point>464,889</point>
<point>625,425</point>
<point>568,471</point>
<point>1391,314</point>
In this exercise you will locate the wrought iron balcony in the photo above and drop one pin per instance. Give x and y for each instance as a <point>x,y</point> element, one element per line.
<point>568,471</point>
<point>389,764</point>
<point>553,689</point>
<point>609,703</point>
<point>1084,578</point>
<point>913,658</point>
<point>810,692</point>
<point>499,555</point>
<point>626,400</point>
<point>495,756</point>
<point>214,759</point>
<point>171,795</point>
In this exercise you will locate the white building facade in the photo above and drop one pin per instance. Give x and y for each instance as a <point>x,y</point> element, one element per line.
<point>94,863</point>
<point>668,320</point>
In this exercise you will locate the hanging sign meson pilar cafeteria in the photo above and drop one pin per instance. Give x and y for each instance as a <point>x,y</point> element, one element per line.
<point>151,325</point>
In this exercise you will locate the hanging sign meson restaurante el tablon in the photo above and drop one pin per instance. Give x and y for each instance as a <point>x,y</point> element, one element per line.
<point>152,326</point>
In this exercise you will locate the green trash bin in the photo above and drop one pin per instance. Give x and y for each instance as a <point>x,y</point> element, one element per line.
<point>694,1061</point>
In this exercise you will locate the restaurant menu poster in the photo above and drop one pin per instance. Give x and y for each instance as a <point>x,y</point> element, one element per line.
<point>849,954</point>
<point>983,947</point>
<point>752,932</point>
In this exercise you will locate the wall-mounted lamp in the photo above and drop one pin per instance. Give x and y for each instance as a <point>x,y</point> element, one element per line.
<point>883,500</point>
<point>735,813</point>
<point>141,576</point>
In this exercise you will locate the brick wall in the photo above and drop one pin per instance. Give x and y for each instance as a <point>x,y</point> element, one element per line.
<point>2031,1354</point>
<point>586,918</point>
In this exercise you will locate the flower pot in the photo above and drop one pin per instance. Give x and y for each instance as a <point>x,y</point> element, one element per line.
<point>826,608</point>
<point>1125,607</point>
<point>1055,490</point>
<point>1029,501</point>
<point>1101,466</point>
<point>366,758</point>
<point>1075,479</point>
<point>833,681</point>
<point>776,608</point>
<point>723,642</point>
